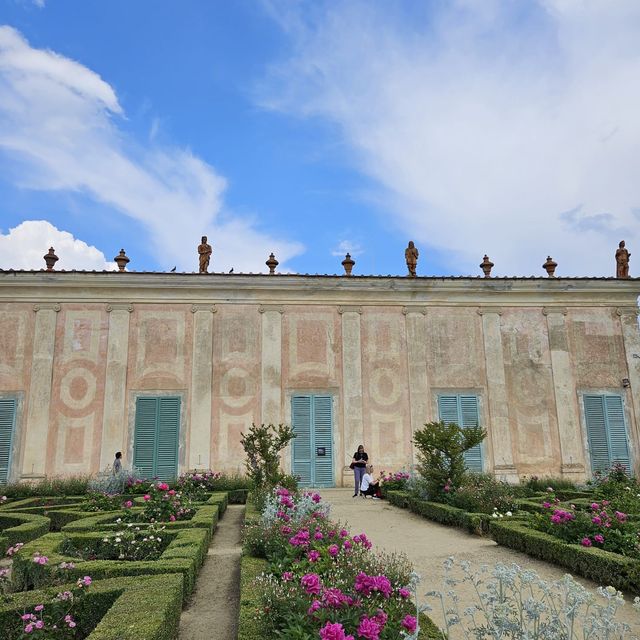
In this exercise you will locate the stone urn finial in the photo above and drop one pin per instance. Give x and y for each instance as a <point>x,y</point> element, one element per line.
<point>121,260</point>
<point>348,263</point>
<point>272,263</point>
<point>50,259</point>
<point>550,267</point>
<point>486,265</point>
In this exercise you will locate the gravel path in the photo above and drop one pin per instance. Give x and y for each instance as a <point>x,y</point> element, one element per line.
<point>212,612</point>
<point>428,545</point>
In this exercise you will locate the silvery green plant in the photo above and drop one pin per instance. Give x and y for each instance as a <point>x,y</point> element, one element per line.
<point>304,506</point>
<point>514,603</point>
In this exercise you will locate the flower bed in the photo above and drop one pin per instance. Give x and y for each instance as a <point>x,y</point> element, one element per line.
<point>321,581</point>
<point>476,523</point>
<point>184,554</point>
<point>137,608</point>
<point>602,566</point>
<point>20,527</point>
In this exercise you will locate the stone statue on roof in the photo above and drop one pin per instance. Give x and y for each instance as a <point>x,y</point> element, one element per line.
<point>411,256</point>
<point>204,253</point>
<point>622,261</point>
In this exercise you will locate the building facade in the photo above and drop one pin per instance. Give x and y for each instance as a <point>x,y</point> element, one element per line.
<point>171,368</point>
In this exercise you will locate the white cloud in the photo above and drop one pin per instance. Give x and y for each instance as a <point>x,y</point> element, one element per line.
<point>347,246</point>
<point>24,246</point>
<point>59,120</point>
<point>493,127</point>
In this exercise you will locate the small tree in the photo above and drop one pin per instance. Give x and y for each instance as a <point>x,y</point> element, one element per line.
<point>263,445</point>
<point>441,448</point>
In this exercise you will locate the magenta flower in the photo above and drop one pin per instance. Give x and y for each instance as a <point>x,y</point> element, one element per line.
<point>333,597</point>
<point>404,593</point>
<point>595,506</point>
<point>585,542</point>
<point>285,530</point>
<point>316,497</point>
<point>313,556</point>
<point>163,486</point>
<point>287,576</point>
<point>621,517</point>
<point>334,631</point>
<point>344,533</point>
<point>315,605</point>
<point>596,520</point>
<point>599,538</point>
<point>546,505</point>
<point>369,629</point>
<point>38,607</point>
<point>146,497</point>
<point>333,550</point>
<point>409,623</point>
<point>318,535</point>
<point>311,583</point>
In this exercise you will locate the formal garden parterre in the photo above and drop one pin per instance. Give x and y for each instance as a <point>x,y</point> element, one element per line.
<point>123,571</point>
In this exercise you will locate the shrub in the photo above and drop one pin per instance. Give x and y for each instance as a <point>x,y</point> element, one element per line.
<point>441,450</point>
<point>396,481</point>
<point>96,501</point>
<point>511,602</point>
<point>619,489</point>
<point>138,608</point>
<point>53,486</point>
<point>482,493</point>
<point>262,446</point>
<point>20,527</point>
<point>163,504</point>
<point>536,484</point>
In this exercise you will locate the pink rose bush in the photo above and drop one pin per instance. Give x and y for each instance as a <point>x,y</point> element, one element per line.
<point>163,504</point>
<point>597,525</point>
<point>322,581</point>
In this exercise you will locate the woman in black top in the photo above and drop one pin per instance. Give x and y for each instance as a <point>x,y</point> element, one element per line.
<point>360,459</point>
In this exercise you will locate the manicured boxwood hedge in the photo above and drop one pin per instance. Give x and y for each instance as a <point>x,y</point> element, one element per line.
<point>135,608</point>
<point>477,523</point>
<point>185,554</point>
<point>20,527</point>
<point>601,566</point>
<point>41,503</point>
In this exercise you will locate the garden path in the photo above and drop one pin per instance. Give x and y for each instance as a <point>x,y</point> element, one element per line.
<point>212,611</point>
<point>429,544</point>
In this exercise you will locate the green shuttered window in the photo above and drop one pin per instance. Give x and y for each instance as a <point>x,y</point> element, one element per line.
<point>463,410</point>
<point>606,432</point>
<point>7,427</point>
<point>155,443</point>
<point>312,420</point>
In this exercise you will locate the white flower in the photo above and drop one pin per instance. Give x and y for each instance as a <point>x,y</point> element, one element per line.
<point>509,513</point>
<point>494,515</point>
<point>118,539</point>
<point>119,520</point>
<point>105,539</point>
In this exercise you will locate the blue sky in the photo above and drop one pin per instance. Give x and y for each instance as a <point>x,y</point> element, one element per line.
<point>311,128</point>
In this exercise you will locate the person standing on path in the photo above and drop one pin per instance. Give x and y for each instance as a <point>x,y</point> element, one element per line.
<point>359,465</point>
<point>117,464</point>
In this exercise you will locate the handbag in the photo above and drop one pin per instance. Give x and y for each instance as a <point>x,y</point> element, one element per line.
<point>352,465</point>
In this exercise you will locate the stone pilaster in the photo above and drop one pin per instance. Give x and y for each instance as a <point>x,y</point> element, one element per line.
<point>631,337</point>
<point>564,387</point>
<point>351,380</point>
<point>271,363</point>
<point>201,387</point>
<point>114,421</point>
<point>417,369</point>
<point>498,404</point>
<point>39,398</point>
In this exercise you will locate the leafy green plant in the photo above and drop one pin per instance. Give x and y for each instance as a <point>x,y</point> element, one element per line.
<point>441,448</point>
<point>482,493</point>
<point>536,484</point>
<point>96,501</point>
<point>53,486</point>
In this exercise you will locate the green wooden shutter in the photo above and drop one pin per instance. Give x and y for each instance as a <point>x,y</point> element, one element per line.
<point>7,427</point>
<point>167,438</point>
<point>156,437</point>
<point>463,411</point>
<point>301,448</point>
<point>606,432</point>
<point>323,437</point>
<point>144,439</point>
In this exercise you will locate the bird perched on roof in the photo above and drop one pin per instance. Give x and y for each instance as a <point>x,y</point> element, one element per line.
<point>231,270</point>
<point>173,270</point>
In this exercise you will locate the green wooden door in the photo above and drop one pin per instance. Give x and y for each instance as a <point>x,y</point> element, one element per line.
<point>157,432</point>
<point>7,427</point>
<point>463,411</point>
<point>606,432</point>
<point>312,448</point>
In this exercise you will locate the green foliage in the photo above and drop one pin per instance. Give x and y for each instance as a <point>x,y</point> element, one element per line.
<point>262,446</point>
<point>20,527</point>
<point>138,608</point>
<point>250,626</point>
<point>601,566</point>
<point>441,448</point>
<point>535,484</point>
<point>96,501</point>
<point>619,489</point>
<point>54,486</point>
<point>482,493</point>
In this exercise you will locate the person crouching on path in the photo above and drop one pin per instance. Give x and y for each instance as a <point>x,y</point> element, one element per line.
<point>368,486</point>
<point>359,465</point>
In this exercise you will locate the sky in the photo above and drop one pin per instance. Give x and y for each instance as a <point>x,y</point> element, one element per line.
<point>309,128</point>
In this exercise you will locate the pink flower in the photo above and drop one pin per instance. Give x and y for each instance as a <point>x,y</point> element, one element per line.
<point>315,605</point>
<point>404,593</point>
<point>334,631</point>
<point>369,629</point>
<point>621,517</point>
<point>287,576</point>
<point>596,520</point>
<point>41,560</point>
<point>595,506</point>
<point>333,550</point>
<point>344,533</point>
<point>409,623</point>
<point>313,556</point>
<point>285,530</point>
<point>29,628</point>
<point>546,505</point>
<point>585,542</point>
<point>599,538</point>
<point>38,607</point>
<point>172,492</point>
<point>163,486</point>
<point>311,583</point>
<point>318,535</point>
<point>333,597</point>
<point>39,624</point>
<point>172,518</point>
<point>146,497</point>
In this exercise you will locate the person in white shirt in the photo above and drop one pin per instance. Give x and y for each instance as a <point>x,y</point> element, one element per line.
<point>368,487</point>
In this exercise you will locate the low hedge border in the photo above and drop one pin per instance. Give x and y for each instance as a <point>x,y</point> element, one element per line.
<point>43,503</point>
<point>20,527</point>
<point>185,554</point>
<point>604,567</point>
<point>134,608</point>
<point>476,523</point>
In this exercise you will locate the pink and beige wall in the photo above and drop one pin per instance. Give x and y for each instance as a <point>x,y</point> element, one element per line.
<point>77,348</point>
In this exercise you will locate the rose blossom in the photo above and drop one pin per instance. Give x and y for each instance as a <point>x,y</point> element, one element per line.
<point>409,623</point>
<point>585,542</point>
<point>334,631</point>
<point>311,583</point>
